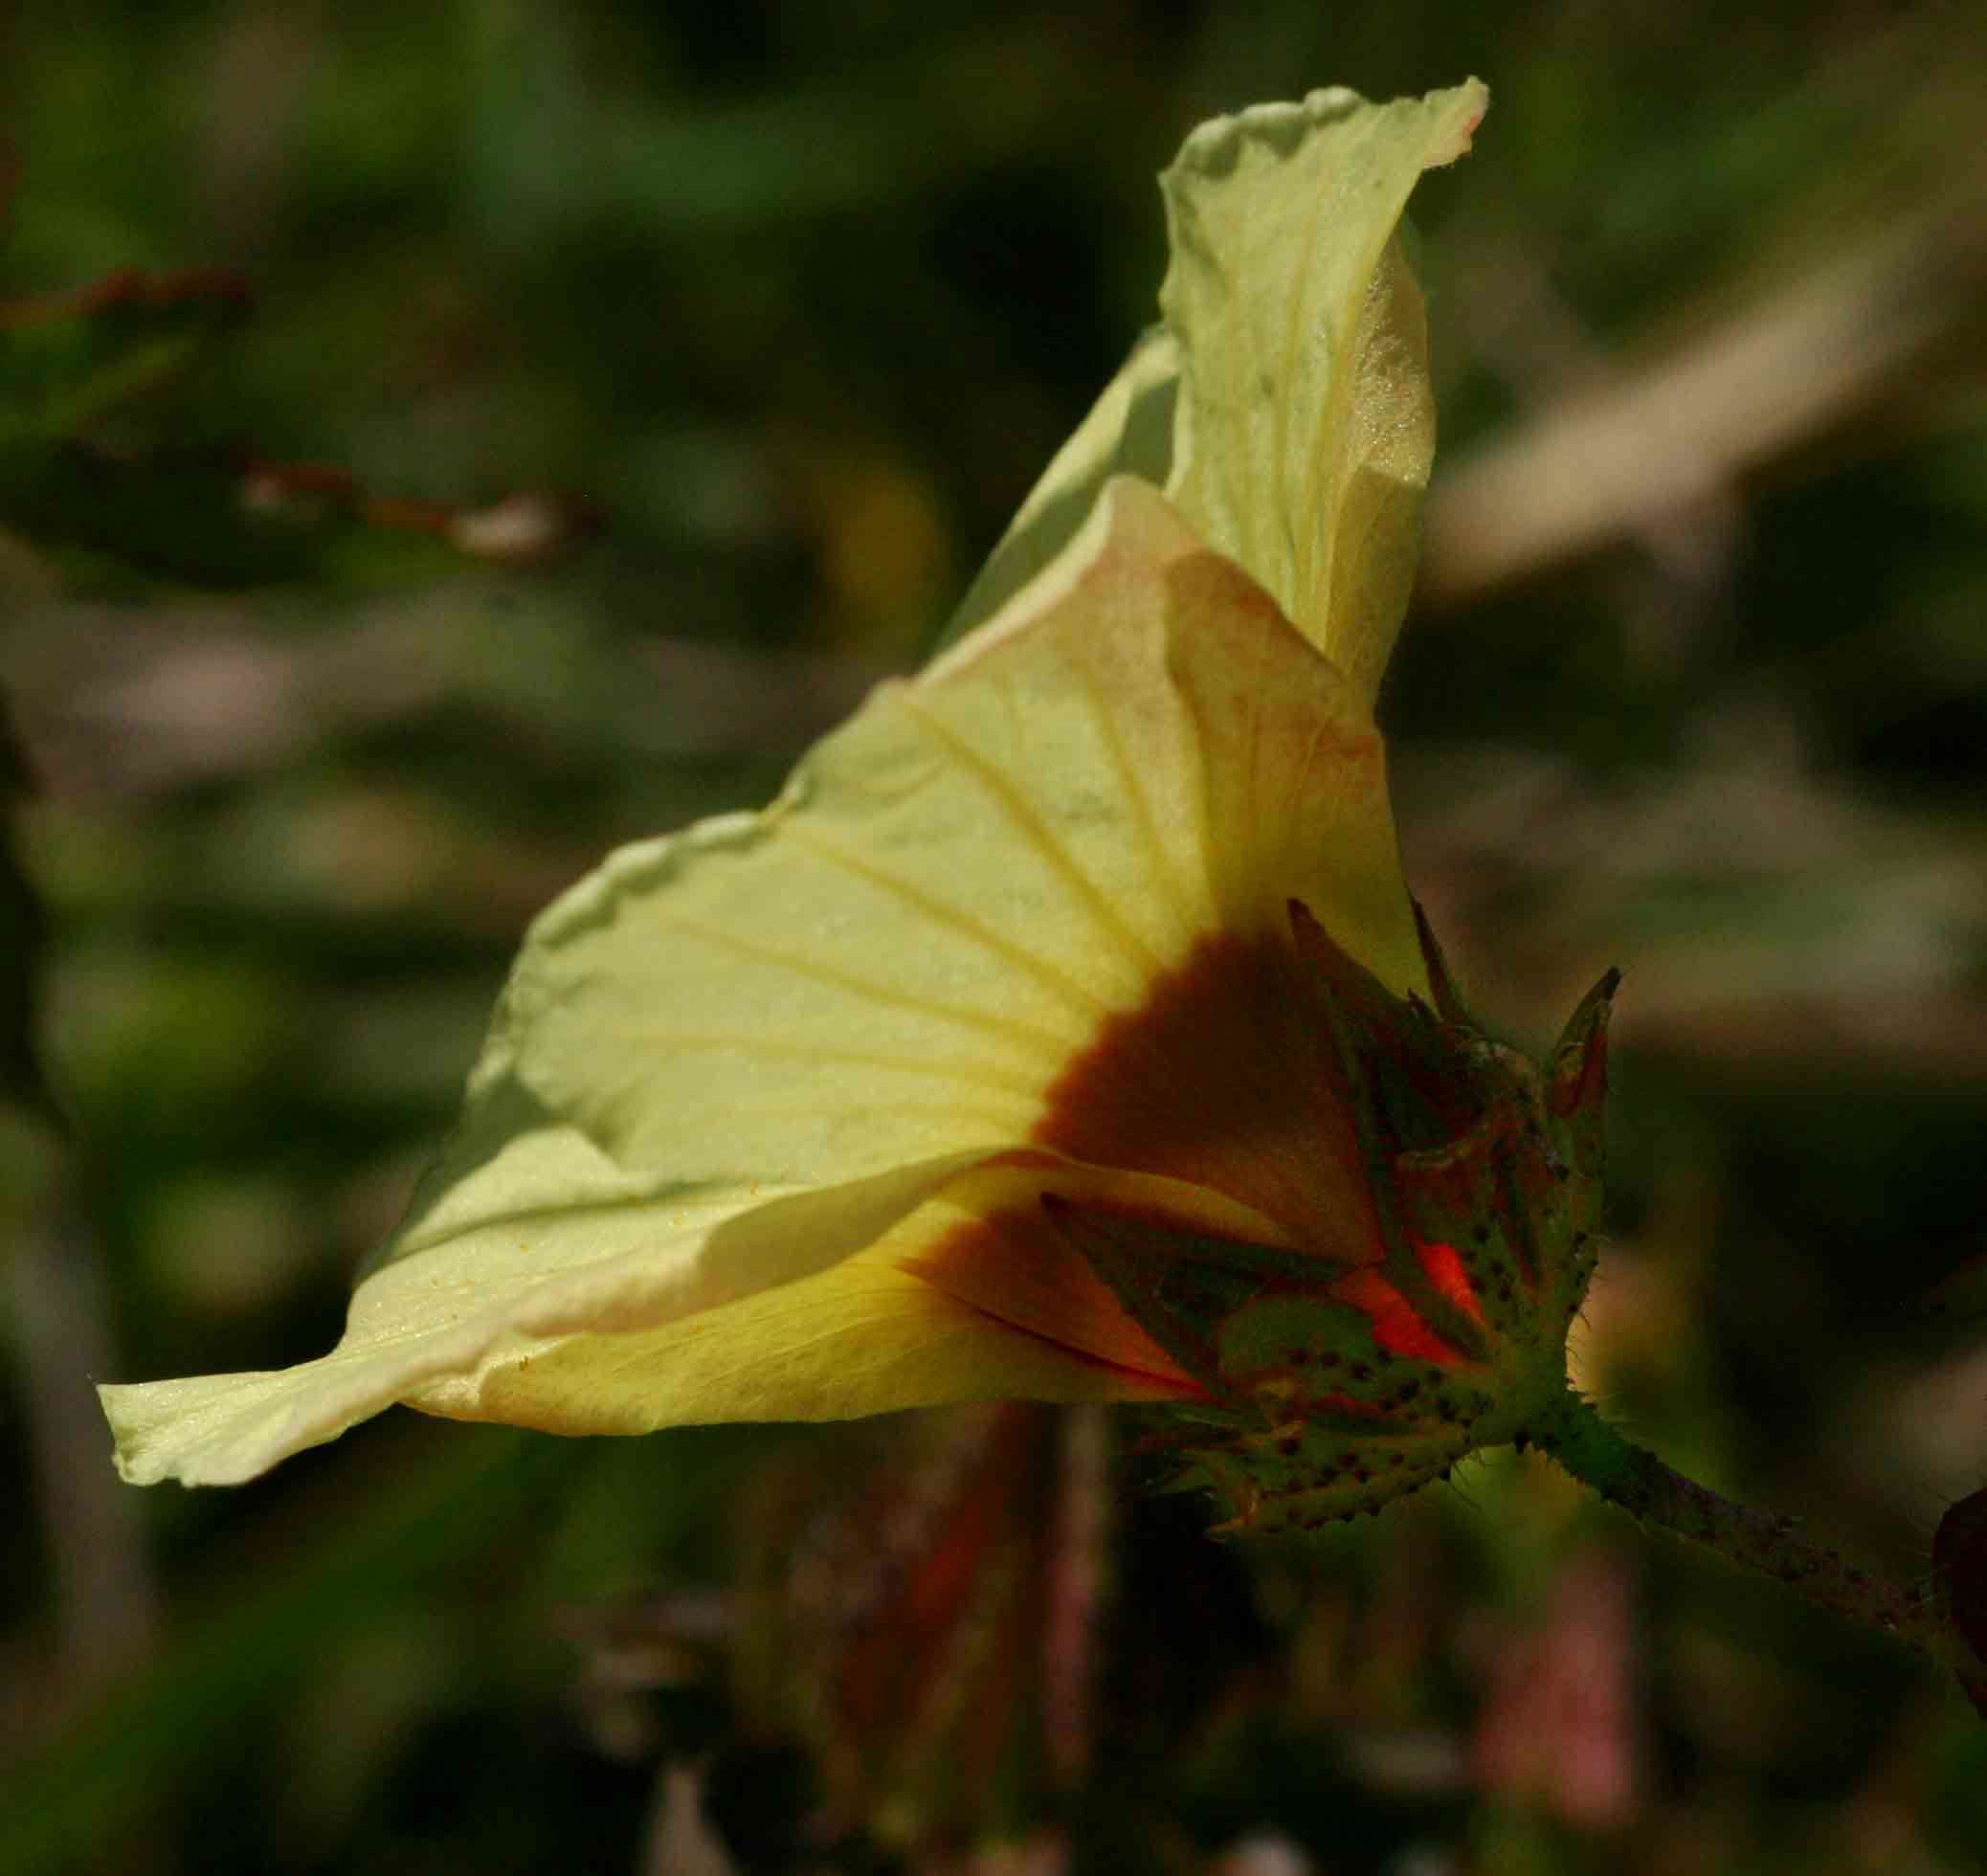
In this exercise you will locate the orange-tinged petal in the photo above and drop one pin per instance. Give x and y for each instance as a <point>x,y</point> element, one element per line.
<point>733,1061</point>
<point>1004,1255</point>
<point>765,1116</point>
<point>867,1337</point>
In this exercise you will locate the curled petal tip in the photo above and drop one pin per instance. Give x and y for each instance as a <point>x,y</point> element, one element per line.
<point>1475,94</point>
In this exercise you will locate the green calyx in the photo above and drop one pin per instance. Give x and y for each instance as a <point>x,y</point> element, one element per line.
<point>1331,1388</point>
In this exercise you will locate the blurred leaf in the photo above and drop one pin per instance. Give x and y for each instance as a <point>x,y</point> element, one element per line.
<point>219,518</point>
<point>68,359</point>
<point>926,1613</point>
<point>92,1782</point>
<point>548,145</point>
<point>22,937</point>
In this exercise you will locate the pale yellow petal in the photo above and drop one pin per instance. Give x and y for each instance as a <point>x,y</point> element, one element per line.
<point>1203,762</point>
<point>635,1316</point>
<point>725,1153</point>
<point>735,1059</point>
<point>1129,431</point>
<point>970,1296</point>
<point>546,1238</point>
<point>865,1337</point>
<point>1305,422</point>
<point>1293,781</point>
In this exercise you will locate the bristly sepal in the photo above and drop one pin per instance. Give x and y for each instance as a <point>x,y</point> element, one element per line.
<point>1449,1006</point>
<point>1329,1388</point>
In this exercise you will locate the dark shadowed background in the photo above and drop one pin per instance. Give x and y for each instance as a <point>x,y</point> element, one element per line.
<point>529,426</point>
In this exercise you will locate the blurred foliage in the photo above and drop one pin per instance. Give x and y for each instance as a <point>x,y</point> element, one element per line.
<point>437,443</point>
<point>22,934</point>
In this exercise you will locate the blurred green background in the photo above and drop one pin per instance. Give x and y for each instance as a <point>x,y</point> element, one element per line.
<point>533,424</point>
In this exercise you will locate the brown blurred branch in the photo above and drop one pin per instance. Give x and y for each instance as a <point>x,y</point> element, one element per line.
<point>1766,918</point>
<point>1625,451</point>
<point>523,528</point>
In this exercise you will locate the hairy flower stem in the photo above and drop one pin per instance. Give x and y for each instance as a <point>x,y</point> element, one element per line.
<point>1624,1474</point>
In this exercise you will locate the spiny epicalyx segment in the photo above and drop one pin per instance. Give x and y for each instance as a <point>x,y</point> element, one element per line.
<point>1331,1387</point>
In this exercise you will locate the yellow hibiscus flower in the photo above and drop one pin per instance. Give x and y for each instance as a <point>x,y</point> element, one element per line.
<point>1064,1031</point>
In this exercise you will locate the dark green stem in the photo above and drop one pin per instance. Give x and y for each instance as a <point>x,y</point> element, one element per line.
<point>1624,1474</point>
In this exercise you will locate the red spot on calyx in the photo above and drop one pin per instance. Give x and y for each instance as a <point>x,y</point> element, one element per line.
<point>1397,1326</point>
<point>1443,1268</point>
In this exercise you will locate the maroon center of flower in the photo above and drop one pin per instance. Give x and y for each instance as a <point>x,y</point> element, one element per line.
<point>1221,1080</point>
